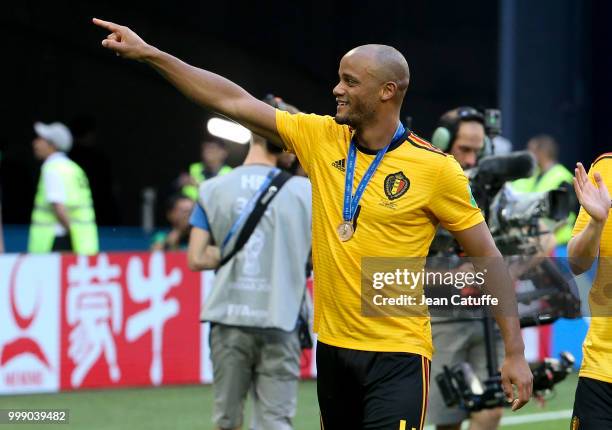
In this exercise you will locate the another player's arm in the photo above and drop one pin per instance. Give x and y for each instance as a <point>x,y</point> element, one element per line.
<point>201,255</point>
<point>208,89</point>
<point>477,241</point>
<point>583,248</point>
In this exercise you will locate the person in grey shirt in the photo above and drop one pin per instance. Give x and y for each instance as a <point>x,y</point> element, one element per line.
<point>255,301</point>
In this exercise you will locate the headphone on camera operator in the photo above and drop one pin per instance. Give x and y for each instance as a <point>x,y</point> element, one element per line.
<point>445,135</point>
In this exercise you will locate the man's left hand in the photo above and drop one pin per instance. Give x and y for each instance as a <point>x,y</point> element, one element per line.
<point>515,371</point>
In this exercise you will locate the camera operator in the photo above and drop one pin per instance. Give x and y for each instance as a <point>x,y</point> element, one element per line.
<point>465,134</point>
<point>461,133</point>
<point>549,175</point>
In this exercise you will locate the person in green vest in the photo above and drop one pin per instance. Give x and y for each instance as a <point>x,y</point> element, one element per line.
<point>63,218</point>
<point>549,175</point>
<point>213,154</point>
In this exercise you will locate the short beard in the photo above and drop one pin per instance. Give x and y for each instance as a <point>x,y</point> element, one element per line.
<point>358,119</point>
<point>344,121</point>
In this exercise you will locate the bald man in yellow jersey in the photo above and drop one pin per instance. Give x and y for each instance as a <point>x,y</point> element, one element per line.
<point>373,373</point>
<point>592,238</point>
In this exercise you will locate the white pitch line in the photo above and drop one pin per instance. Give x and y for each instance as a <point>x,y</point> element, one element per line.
<point>535,418</point>
<point>523,419</point>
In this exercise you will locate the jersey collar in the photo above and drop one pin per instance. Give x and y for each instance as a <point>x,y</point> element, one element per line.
<point>397,144</point>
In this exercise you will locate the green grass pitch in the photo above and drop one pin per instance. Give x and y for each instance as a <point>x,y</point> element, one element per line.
<point>189,407</point>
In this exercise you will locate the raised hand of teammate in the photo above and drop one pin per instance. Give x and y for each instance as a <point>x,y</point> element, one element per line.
<point>123,41</point>
<point>594,199</point>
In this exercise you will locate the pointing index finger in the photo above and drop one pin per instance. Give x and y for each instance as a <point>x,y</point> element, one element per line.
<point>111,26</point>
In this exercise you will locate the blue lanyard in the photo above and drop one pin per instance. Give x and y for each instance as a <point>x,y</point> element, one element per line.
<point>351,202</point>
<point>248,208</point>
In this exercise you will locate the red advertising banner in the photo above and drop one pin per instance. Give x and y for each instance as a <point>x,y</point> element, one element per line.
<point>114,320</point>
<point>29,323</point>
<point>129,319</point>
<point>308,367</point>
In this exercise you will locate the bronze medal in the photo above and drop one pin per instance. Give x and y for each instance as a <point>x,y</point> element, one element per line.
<point>345,231</point>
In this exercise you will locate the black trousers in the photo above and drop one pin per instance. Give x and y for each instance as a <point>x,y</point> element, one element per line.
<point>592,405</point>
<point>371,390</point>
<point>62,244</point>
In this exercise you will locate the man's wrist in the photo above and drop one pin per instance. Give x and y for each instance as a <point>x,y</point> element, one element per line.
<point>598,224</point>
<point>513,341</point>
<point>150,54</point>
<point>516,348</point>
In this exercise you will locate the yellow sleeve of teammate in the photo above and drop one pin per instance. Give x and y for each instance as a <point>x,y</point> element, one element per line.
<point>452,203</point>
<point>303,133</point>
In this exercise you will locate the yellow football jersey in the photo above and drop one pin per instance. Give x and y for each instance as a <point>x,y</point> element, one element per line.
<point>415,188</point>
<point>597,347</point>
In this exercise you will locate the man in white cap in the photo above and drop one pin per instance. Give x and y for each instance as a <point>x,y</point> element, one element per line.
<point>63,218</point>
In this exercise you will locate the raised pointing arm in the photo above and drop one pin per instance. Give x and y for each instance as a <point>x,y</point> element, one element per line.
<point>207,89</point>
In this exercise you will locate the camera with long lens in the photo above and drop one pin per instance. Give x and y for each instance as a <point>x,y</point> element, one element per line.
<point>488,182</point>
<point>518,222</point>
<point>460,386</point>
<point>514,219</point>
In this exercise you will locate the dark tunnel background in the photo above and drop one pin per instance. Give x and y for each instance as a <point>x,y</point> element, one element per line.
<point>546,64</point>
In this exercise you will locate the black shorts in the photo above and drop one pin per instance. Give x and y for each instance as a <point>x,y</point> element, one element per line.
<point>592,406</point>
<point>371,390</point>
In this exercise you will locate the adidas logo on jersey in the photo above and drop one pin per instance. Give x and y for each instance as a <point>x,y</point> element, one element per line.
<point>340,164</point>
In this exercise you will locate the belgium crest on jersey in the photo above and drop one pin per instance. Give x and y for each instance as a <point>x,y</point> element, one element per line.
<point>396,185</point>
